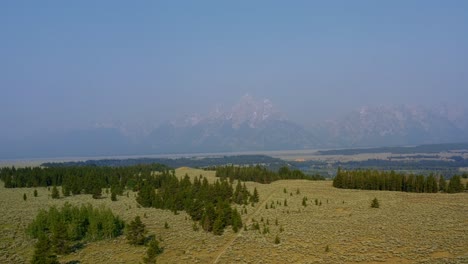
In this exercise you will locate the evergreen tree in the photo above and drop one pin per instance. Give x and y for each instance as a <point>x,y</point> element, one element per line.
<point>65,190</point>
<point>208,218</point>
<point>146,195</point>
<point>236,220</point>
<point>136,232</point>
<point>55,193</point>
<point>152,252</point>
<point>255,196</point>
<point>113,196</point>
<point>24,197</point>
<point>455,185</point>
<point>43,252</point>
<point>60,238</point>
<point>218,225</point>
<point>338,180</point>
<point>442,184</point>
<point>35,193</point>
<point>96,192</point>
<point>375,203</point>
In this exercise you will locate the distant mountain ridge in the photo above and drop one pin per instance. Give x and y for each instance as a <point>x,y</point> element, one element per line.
<point>249,125</point>
<point>397,125</point>
<point>252,125</point>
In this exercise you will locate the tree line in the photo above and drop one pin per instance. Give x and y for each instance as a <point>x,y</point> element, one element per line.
<point>193,162</point>
<point>392,181</point>
<point>261,174</point>
<point>81,179</point>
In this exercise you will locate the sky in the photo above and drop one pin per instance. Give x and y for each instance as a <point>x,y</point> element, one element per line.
<point>70,64</point>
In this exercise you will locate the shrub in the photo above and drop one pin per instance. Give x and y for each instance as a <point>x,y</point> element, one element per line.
<point>375,203</point>
<point>277,240</point>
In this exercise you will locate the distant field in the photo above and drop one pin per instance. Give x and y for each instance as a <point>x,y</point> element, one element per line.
<point>407,228</point>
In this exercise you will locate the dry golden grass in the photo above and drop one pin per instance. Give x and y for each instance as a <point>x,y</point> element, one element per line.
<point>407,228</point>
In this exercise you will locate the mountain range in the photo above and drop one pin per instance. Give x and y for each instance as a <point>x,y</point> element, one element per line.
<point>252,125</point>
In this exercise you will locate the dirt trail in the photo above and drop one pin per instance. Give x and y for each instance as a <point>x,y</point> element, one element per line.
<point>248,221</point>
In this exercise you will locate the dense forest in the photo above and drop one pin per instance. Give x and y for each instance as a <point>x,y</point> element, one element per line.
<point>261,174</point>
<point>392,181</point>
<point>208,204</point>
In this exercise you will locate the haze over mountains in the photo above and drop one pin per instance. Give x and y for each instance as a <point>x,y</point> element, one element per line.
<point>252,125</point>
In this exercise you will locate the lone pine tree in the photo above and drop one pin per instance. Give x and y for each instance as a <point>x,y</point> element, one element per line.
<point>375,203</point>
<point>55,193</point>
<point>136,232</point>
<point>152,252</point>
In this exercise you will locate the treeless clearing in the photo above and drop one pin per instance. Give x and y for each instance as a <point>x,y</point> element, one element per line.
<point>407,228</point>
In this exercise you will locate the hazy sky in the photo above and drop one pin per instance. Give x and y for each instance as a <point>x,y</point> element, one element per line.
<point>68,64</point>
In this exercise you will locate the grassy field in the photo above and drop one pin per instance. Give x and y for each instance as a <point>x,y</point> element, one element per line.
<point>407,228</point>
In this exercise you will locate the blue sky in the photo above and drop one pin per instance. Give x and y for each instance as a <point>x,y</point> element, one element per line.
<point>69,64</point>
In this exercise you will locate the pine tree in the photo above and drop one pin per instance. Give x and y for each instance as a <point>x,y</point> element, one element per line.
<point>218,225</point>
<point>146,195</point>
<point>442,184</point>
<point>152,252</point>
<point>65,190</point>
<point>60,238</point>
<point>375,203</point>
<point>255,196</point>
<point>97,192</point>
<point>43,252</point>
<point>24,197</point>
<point>113,196</point>
<point>55,193</point>
<point>136,232</point>
<point>35,193</point>
<point>455,185</point>
<point>236,220</point>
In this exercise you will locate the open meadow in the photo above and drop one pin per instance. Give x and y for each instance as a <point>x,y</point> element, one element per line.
<point>334,226</point>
